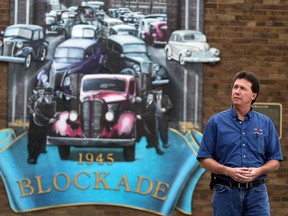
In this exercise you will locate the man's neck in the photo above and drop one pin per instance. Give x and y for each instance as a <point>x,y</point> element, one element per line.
<point>242,111</point>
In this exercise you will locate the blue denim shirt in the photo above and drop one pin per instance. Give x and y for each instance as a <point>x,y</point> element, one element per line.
<point>235,143</point>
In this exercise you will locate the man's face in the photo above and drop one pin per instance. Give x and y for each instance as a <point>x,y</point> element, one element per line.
<point>242,93</point>
<point>41,92</point>
<point>150,97</point>
<point>48,98</point>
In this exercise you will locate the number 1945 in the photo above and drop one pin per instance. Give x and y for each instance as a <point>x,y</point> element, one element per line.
<point>89,158</point>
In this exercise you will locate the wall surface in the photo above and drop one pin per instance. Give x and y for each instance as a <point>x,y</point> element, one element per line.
<point>252,35</point>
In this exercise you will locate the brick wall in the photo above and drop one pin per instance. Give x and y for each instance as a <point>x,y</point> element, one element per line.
<point>252,35</point>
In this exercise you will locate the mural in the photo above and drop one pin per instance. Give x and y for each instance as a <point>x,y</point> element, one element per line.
<point>104,109</point>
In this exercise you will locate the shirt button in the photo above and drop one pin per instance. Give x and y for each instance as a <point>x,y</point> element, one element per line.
<point>244,145</point>
<point>244,156</point>
<point>243,132</point>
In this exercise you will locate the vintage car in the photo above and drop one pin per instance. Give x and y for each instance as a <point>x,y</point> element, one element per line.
<point>22,44</point>
<point>95,5</point>
<point>157,33</point>
<point>53,22</point>
<point>107,24</point>
<point>106,118</point>
<point>123,29</point>
<point>125,55</point>
<point>68,20</point>
<point>87,14</point>
<point>190,46</point>
<point>72,59</point>
<point>161,17</point>
<point>144,25</point>
<point>85,32</point>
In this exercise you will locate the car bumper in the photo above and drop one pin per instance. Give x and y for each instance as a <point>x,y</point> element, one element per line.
<point>200,59</point>
<point>89,142</point>
<point>12,59</point>
<point>159,42</point>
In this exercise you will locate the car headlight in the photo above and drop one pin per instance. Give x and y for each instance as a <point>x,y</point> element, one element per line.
<point>136,68</point>
<point>73,116</point>
<point>44,78</point>
<point>109,116</point>
<point>188,52</point>
<point>19,44</point>
<point>156,67</point>
<point>67,81</point>
<point>214,51</point>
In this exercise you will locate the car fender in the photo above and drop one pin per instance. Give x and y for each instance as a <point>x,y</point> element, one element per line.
<point>25,51</point>
<point>38,80</point>
<point>61,127</point>
<point>124,127</point>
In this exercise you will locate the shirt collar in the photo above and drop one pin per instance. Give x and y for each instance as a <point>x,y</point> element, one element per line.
<point>234,114</point>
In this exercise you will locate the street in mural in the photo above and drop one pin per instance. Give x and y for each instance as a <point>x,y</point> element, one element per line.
<point>104,109</point>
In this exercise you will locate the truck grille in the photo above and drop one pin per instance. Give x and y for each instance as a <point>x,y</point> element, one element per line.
<point>92,118</point>
<point>9,47</point>
<point>55,78</point>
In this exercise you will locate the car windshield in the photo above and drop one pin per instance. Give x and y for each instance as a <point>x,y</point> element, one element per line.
<point>163,27</point>
<point>83,33</point>
<point>66,54</point>
<point>104,84</point>
<point>138,56</point>
<point>194,37</point>
<point>138,48</point>
<point>127,32</point>
<point>18,32</point>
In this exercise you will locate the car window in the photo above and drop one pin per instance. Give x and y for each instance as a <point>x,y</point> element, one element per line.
<point>36,35</point>
<point>66,52</point>
<point>89,52</point>
<point>41,35</point>
<point>163,27</point>
<point>117,48</point>
<point>104,84</point>
<point>131,87</point>
<point>189,37</point>
<point>134,48</point>
<point>109,44</point>
<point>18,32</point>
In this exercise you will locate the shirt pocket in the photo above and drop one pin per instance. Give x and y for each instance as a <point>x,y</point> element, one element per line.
<point>256,143</point>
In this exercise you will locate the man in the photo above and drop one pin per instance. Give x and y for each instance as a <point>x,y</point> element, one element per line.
<point>163,105</point>
<point>43,111</point>
<point>148,120</point>
<point>240,147</point>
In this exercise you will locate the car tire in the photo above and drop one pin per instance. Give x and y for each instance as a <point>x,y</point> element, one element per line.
<point>64,152</point>
<point>43,54</point>
<point>128,71</point>
<point>168,54</point>
<point>28,60</point>
<point>129,153</point>
<point>181,59</point>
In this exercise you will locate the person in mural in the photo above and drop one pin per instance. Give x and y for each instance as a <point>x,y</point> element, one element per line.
<point>148,122</point>
<point>38,92</point>
<point>163,105</point>
<point>240,147</point>
<point>42,108</point>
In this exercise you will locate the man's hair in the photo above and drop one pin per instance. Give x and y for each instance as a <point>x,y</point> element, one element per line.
<point>250,77</point>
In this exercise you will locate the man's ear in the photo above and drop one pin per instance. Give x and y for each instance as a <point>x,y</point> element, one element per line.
<point>254,96</point>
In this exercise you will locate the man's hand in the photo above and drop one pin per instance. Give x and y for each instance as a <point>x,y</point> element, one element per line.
<point>243,174</point>
<point>52,120</point>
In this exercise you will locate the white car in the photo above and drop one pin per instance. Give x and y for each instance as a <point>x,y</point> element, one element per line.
<point>107,24</point>
<point>85,31</point>
<point>144,26</point>
<point>190,46</point>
